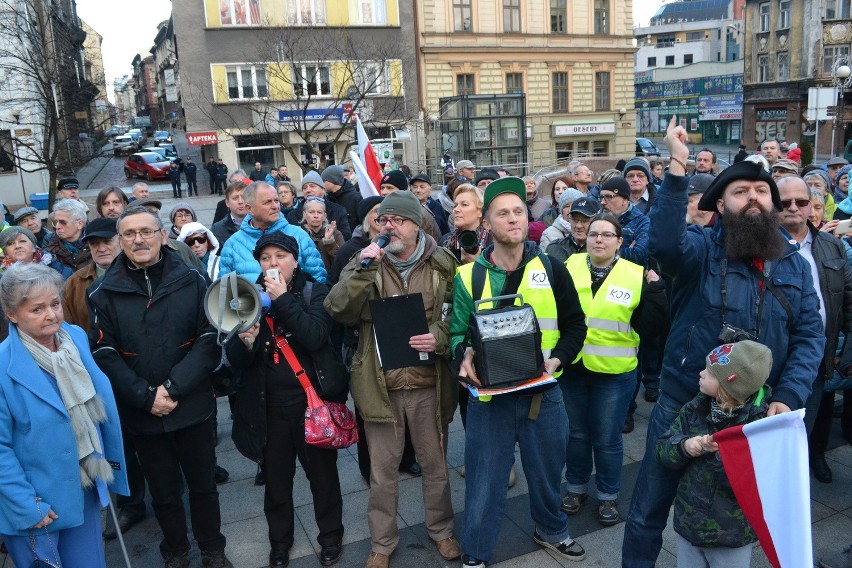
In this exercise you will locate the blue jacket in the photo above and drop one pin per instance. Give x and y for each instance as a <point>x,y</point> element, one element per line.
<point>693,258</point>
<point>238,252</point>
<point>38,450</point>
<point>636,230</point>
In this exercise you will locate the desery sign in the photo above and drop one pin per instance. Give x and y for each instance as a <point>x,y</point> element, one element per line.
<point>202,138</point>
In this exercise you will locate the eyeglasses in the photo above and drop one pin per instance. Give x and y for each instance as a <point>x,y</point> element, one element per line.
<point>199,240</point>
<point>800,203</point>
<point>183,215</point>
<point>607,196</point>
<point>395,221</point>
<point>605,236</point>
<point>637,175</point>
<point>146,234</point>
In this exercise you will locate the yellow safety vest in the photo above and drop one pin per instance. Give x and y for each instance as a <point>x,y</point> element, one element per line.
<point>611,343</point>
<point>536,290</point>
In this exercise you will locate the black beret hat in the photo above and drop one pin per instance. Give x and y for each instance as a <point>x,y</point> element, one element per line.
<point>278,239</point>
<point>745,170</point>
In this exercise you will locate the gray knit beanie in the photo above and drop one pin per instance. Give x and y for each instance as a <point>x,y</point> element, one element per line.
<point>404,204</point>
<point>312,177</point>
<point>741,368</point>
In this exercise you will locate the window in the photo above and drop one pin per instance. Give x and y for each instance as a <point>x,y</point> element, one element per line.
<point>669,59</point>
<point>830,55</point>
<point>372,78</point>
<point>602,90</point>
<point>305,12</point>
<point>783,14</point>
<point>687,58</point>
<point>311,81</point>
<point>7,155</point>
<point>246,82</point>
<point>514,83</point>
<point>783,66</point>
<point>601,16</point>
<point>762,68</point>
<point>600,148</point>
<point>465,84</point>
<point>837,9</point>
<point>512,16</point>
<point>694,36</point>
<point>763,16</point>
<point>665,40</point>
<point>652,62</point>
<point>560,92</point>
<point>564,150</point>
<point>368,12</point>
<point>239,12</point>
<point>461,15</point>
<point>558,14</point>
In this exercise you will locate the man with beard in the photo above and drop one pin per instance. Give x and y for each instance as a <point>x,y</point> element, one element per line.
<point>705,161</point>
<point>741,279</point>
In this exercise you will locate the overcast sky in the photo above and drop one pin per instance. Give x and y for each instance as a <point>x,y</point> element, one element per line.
<point>129,28</point>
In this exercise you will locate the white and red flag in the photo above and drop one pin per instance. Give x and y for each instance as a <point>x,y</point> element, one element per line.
<point>767,464</point>
<point>369,160</point>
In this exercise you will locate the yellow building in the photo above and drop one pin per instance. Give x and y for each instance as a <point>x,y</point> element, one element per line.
<point>94,69</point>
<point>573,61</point>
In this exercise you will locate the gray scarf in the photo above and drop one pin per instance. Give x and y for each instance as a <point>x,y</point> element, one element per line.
<point>406,266</point>
<point>78,394</point>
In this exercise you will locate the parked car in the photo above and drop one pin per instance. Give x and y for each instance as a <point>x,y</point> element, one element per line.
<point>164,151</point>
<point>124,144</point>
<point>112,132</point>
<point>645,147</point>
<point>149,165</point>
<point>138,136</point>
<point>162,136</point>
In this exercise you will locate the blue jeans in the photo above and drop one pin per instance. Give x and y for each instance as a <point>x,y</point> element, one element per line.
<point>653,494</point>
<point>596,409</point>
<point>493,428</point>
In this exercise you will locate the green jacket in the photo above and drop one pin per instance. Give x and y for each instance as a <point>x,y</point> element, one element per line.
<point>706,512</point>
<point>348,303</point>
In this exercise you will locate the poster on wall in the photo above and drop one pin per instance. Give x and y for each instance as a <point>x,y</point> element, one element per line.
<point>693,124</point>
<point>770,123</point>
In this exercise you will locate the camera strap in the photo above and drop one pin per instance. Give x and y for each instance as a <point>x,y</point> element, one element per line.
<point>768,285</point>
<point>765,284</point>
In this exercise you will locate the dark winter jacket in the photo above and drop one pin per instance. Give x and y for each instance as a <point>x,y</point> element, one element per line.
<point>693,258</point>
<point>835,282</point>
<point>440,215</point>
<point>306,327</point>
<point>224,228</point>
<point>347,197</point>
<point>148,328</point>
<point>222,171</point>
<point>75,256</point>
<point>706,511</point>
<point>190,171</point>
<point>563,248</point>
<point>333,212</point>
<point>174,174</point>
<point>636,230</point>
<point>645,206</point>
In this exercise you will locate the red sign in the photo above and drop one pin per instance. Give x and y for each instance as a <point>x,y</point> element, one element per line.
<point>202,138</point>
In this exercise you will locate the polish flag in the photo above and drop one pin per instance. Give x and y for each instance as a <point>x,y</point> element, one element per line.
<point>767,465</point>
<point>365,185</point>
<point>368,155</point>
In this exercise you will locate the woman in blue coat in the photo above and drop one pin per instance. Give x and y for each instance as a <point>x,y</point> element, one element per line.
<point>60,439</point>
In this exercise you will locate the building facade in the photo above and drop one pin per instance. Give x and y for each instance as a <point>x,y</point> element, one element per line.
<point>167,76</point>
<point>689,63</point>
<point>790,48</point>
<point>125,99</point>
<point>278,82</point>
<point>572,60</point>
<point>145,81</point>
<point>93,62</point>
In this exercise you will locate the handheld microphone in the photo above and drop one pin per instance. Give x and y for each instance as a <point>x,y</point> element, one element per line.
<point>382,240</point>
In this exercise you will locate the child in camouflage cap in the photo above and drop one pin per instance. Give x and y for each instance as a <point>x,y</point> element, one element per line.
<point>712,529</point>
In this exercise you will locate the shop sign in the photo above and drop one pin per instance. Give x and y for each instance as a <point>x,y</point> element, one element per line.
<point>202,138</point>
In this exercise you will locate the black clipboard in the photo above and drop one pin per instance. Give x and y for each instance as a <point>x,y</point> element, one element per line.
<point>395,321</point>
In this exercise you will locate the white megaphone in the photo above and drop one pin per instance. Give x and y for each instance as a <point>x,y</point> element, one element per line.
<point>233,304</point>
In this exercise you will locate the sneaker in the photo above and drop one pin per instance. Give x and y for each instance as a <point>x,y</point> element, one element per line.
<point>569,548</point>
<point>471,561</point>
<point>449,548</point>
<point>571,503</point>
<point>177,561</point>
<point>608,513</point>
<point>220,474</point>
<point>215,560</point>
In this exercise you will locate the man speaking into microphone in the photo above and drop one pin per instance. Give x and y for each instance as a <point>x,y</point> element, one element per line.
<point>420,398</point>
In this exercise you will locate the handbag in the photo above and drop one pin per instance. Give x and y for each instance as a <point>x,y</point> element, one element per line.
<point>328,425</point>
<point>37,562</point>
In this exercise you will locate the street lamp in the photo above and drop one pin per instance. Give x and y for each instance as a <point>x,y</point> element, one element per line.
<point>841,78</point>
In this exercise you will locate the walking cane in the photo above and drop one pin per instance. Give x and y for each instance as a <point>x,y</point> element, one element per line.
<point>118,532</point>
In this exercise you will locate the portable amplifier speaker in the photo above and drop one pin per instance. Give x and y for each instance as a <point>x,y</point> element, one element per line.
<point>507,342</point>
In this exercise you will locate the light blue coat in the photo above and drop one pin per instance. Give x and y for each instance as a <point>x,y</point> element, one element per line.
<point>38,451</point>
<point>238,250</point>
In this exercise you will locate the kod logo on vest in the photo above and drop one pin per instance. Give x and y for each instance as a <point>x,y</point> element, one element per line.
<point>617,295</point>
<point>538,279</point>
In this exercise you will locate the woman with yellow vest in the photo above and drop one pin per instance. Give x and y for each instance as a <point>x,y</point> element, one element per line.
<point>621,301</point>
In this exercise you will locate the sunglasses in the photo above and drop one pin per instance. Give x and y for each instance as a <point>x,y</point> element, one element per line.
<point>199,240</point>
<point>800,203</point>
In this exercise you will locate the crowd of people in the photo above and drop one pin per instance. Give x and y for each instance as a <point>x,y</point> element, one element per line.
<point>722,296</point>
